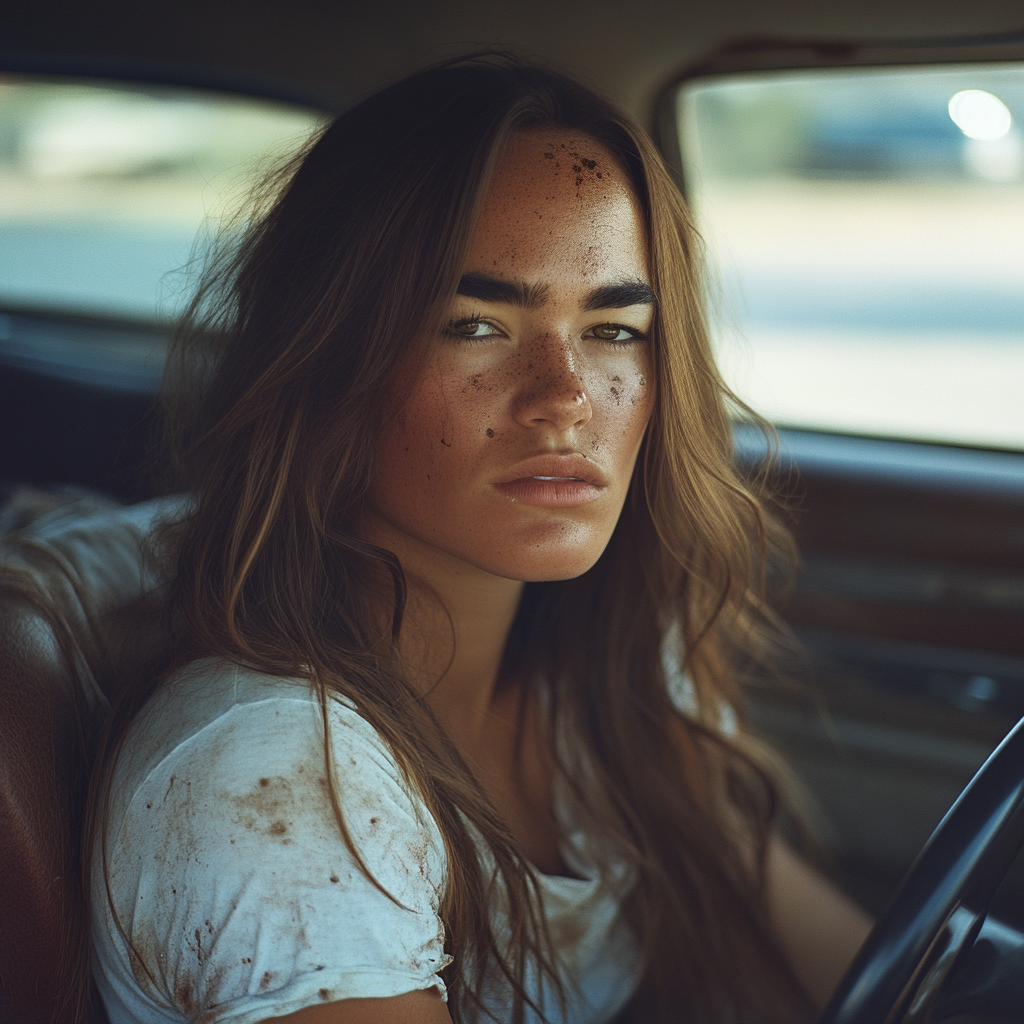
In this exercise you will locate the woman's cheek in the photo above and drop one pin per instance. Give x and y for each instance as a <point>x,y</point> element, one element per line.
<point>442,411</point>
<point>449,424</point>
<point>482,408</point>
<point>627,401</point>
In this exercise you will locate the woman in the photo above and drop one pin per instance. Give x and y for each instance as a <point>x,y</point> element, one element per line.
<point>464,515</point>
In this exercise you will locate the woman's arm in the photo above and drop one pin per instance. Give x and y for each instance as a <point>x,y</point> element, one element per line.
<point>819,928</point>
<point>423,1007</point>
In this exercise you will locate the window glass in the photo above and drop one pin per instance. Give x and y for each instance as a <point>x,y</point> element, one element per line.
<point>104,187</point>
<point>866,235</point>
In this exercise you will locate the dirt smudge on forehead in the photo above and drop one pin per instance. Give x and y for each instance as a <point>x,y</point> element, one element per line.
<point>585,162</point>
<point>557,211</point>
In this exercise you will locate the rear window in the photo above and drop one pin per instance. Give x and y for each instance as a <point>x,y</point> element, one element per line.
<point>106,187</point>
<point>866,234</point>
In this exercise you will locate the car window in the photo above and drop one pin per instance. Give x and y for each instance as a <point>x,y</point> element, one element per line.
<point>865,229</point>
<point>107,189</point>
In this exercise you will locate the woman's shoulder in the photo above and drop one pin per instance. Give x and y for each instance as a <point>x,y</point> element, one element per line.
<point>223,742</point>
<point>214,711</point>
<point>202,691</point>
<point>229,742</point>
<point>227,866</point>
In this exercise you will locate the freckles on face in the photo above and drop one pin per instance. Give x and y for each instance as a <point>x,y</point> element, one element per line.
<point>545,358</point>
<point>569,208</point>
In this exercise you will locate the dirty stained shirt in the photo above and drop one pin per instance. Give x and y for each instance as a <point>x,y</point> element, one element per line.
<point>237,898</point>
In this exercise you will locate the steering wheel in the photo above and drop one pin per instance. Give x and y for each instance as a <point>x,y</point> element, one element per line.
<point>941,905</point>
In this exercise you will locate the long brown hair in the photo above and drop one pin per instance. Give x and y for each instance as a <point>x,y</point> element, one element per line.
<point>280,374</point>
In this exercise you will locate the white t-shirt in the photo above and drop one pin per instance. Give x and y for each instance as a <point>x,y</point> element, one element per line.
<point>233,883</point>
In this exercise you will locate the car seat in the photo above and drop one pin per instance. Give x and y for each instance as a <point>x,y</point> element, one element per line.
<point>79,612</point>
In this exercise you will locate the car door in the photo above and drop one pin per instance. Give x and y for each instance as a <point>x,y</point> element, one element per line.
<point>863,210</point>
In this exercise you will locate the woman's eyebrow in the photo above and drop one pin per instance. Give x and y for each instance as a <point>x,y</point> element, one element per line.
<point>517,293</point>
<point>493,289</point>
<point>620,295</point>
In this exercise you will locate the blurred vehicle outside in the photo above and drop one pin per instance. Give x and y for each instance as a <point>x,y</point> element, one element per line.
<point>865,233</point>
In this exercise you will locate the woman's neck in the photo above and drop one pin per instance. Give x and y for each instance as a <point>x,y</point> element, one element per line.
<point>454,630</point>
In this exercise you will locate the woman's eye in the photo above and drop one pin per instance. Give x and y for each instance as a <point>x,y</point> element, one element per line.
<point>472,329</point>
<point>614,332</point>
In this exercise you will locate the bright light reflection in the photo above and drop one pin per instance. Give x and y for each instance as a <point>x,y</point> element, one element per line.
<point>979,114</point>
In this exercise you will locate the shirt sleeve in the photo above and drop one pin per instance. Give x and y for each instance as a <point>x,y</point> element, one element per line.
<point>235,887</point>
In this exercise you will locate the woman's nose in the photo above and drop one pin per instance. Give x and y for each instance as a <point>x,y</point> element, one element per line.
<point>551,386</point>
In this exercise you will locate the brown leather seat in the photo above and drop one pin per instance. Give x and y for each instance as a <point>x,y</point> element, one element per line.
<point>77,613</point>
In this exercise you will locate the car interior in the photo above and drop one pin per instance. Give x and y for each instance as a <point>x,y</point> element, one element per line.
<point>856,171</point>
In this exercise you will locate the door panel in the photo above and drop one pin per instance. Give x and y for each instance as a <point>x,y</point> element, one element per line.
<point>865,252</point>
<point>910,602</point>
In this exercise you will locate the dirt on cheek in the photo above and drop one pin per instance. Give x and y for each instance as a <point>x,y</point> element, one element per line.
<point>441,387</point>
<point>633,390</point>
<point>640,393</point>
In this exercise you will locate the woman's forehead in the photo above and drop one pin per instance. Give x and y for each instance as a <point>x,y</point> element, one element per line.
<point>558,204</point>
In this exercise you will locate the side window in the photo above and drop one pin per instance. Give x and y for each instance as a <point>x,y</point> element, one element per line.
<point>866,234</point>
<point>104,188</point>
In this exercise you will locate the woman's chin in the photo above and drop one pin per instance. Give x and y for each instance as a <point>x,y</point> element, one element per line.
<point>547,567</point>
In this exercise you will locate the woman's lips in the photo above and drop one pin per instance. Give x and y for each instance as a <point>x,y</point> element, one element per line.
<point>550,492</point>
<point>554,481</point>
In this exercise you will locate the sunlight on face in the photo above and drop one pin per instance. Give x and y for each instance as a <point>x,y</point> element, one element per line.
<point>515,450</point>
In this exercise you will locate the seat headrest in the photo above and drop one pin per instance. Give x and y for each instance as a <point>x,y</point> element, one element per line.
<point>90,563</point>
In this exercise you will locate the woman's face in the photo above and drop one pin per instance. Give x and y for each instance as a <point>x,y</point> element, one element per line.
<point>515,448</point>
